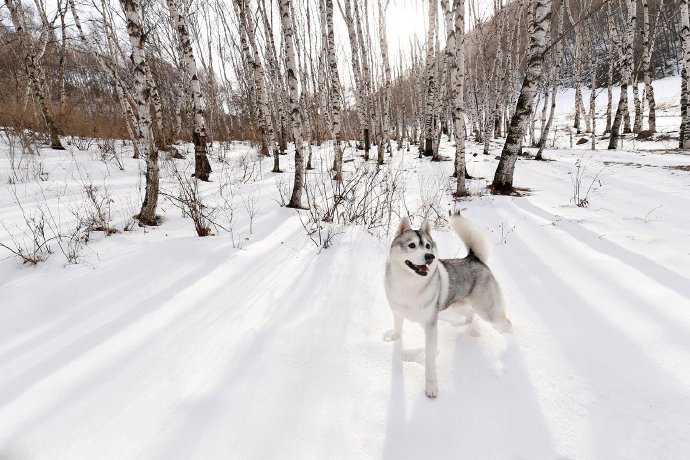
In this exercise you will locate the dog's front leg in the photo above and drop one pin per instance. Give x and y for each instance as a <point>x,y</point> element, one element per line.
<point>395,333</point>
<point>431,335</point>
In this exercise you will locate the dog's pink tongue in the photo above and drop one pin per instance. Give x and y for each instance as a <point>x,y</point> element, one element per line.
<point>422,268</point>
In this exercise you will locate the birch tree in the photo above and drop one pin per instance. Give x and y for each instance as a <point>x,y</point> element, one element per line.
<point>626,67</point>
<point>121,91</point>
<point>202,167</point>
<point>578,68</point>
<point>556,77</point>
<point>503,179</point>
<point>430,80</point>
<point>593,86</point>
<point>33,54</point>
<point>684,93</point>
<point>248,40</point>
<point>292,71</point>
<point>335,91</point>
<point>366,78</point>
<point>685,90</point>
<point>385,132</point>
<point>157,105</point>
<point>613,48</point>
<point>458,83</point>
<point>360,96</point>
<point>62,95</point>
<point>493,87</point>
<point>647,64</point>
<point>142,95</point>
<point>276,82</point>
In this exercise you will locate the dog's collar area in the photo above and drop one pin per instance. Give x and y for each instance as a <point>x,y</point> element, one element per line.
<point>421,270</point>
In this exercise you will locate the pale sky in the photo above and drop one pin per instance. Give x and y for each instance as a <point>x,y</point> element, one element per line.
<point>405,21</point>
<point>408,18</point>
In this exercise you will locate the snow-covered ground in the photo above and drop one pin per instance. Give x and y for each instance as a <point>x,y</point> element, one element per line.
<point>667,100</point>
<point>258,344</point>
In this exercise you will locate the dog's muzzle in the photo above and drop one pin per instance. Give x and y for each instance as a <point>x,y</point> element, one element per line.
<point>421,270</point>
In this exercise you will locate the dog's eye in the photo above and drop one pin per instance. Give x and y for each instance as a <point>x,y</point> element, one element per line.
<point>411,245</point>
<point>428,246</point>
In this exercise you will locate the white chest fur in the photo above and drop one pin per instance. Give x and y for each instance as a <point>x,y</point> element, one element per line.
<point>416,299</point>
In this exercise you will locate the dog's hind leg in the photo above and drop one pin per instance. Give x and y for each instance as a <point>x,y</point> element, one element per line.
<point>467,312</point>
<point>469,316</point>
<point>501,322</point>
<point>431,349</point>
<point>490,307</point>
<point>464,308</point>
<point>473,330</point>
<point>395,333</point>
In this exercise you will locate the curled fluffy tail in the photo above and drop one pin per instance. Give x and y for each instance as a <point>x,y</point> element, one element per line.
<point>472,236</point>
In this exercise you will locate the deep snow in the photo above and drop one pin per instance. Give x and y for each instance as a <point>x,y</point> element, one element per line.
<point>160,344</point>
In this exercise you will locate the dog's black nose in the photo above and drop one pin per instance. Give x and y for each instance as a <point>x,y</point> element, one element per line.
<point>429,258</point>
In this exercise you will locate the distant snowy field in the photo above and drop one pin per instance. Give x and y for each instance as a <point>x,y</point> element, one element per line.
<point>258,344</point>
<point>667,98</point>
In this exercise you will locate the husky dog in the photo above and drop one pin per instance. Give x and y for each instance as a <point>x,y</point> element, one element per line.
<point>419,285</point>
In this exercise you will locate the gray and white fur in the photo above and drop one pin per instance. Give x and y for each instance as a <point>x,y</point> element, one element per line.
<point>419,285</point>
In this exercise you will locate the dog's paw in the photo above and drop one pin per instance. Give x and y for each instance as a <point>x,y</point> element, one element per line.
<point>431,388</point>
<point>473,331</point>
<point>504,327</point>
<point>391,336</point>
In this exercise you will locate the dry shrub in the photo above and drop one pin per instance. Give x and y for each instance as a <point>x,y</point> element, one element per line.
<point>189,200</point>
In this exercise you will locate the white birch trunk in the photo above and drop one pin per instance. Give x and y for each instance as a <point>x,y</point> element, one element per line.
<point>503,179</point>
<point>684,102</point>
<point>335,93</point>
<point>202,167</point>
<point>578,78</point>
<point>685,90</point>
<point>430,80</point>
<point>578,68</point>
<point>367,81</point>
<point>248,40</point>
<point>627,74</point>
<point>637,123</point>
<point>142,94</point>
<point>356,67</point>
<point>492,101</point>
<point>63,57</point>
<point>613,47</point>
<point>458,83</point>
<point>543,128</point>
<point>278,98</point>
<point>292,72</point>
<point>383,42</point>
<point>32,54</point>
<point>123,95</point>
<point>544,107</point>
<point>157,105</point>
<point>646,67</point>
<point>180,96</point>
<point>592,93</point>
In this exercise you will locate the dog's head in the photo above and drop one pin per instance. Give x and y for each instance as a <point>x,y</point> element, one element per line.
<point>414,249</point>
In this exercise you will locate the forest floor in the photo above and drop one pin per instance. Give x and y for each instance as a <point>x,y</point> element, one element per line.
<point>257,343</point>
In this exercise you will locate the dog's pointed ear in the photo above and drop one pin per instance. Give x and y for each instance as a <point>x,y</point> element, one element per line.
<point>403,226</point>
<point>426,227</point>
